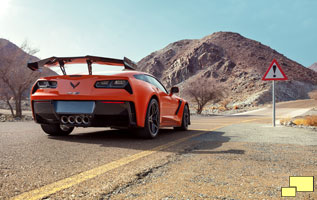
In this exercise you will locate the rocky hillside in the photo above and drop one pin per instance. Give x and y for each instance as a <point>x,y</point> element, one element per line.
<point>9,51</point>
<point>313,67</point>
<point>235,62</point>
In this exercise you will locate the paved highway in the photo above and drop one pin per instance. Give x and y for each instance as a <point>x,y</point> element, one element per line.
<point>98,163</point>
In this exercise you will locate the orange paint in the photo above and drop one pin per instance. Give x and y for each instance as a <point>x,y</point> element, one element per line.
<point>142,93</point>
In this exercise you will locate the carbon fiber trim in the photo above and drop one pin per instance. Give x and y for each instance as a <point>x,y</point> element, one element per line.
<point>179,106</point>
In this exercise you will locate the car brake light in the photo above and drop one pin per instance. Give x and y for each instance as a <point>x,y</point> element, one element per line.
<point>44,85</point>
<point>47,84</point>
<point>120,82</point>
<point>112,102</point>
<point>111,84</point>
<point>102,84</point>
<point>114,84</point>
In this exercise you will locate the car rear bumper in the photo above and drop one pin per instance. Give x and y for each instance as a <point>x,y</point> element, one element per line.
<point>101,113</point>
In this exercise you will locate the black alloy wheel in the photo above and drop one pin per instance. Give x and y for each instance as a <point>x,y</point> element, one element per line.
<point>152,120</point>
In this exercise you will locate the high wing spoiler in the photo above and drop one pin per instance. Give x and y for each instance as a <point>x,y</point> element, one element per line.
<point>89,60</point>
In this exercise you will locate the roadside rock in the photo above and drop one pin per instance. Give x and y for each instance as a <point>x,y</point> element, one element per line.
<point>10,118</point>
<point>3,118</point>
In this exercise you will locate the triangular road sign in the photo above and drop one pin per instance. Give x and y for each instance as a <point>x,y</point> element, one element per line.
<point>274,72</point>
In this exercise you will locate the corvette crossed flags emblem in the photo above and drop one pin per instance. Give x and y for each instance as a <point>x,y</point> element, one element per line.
<point>74,86</point>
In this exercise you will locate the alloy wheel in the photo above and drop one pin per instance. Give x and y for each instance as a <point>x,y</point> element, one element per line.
<point>153,120</point>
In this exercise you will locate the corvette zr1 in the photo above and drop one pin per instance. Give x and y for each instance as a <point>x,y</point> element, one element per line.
<point>121,99</point>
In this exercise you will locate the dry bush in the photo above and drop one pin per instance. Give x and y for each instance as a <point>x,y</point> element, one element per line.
<point>203,91</point>
<point>300,121</point>
<point>222,108</point>
<point>311,120</point>
<point>224,103</point>
<point>285,120</point>
<point>306,121</point>
<point>313,94</point>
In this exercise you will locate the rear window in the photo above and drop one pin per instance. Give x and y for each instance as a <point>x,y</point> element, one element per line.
<point>151,80</point>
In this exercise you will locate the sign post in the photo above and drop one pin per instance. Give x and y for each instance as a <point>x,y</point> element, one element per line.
<point>273,102</point>
<point>274,73</point>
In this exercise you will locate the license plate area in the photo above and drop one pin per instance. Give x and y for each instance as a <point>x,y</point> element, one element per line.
<point>74,107</point>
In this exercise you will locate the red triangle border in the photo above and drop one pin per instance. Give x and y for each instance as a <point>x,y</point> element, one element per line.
<point>274,79</point>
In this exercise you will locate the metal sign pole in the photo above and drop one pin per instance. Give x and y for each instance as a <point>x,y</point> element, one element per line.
<point>273,102</point>
<point>274,72</point>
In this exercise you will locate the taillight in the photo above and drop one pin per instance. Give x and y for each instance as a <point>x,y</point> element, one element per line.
<point>111,84</point>
<point>115,84</point>
<point>102,84</point>
<point>119,83</point>
<point>44,85</point>
<point>47,84</point>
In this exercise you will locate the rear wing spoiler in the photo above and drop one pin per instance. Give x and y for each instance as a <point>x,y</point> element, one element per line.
<point>89,60</point>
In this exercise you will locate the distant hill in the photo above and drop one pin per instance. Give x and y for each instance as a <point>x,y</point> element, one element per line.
<point>236,62</point>
<point>313,67</point>
<point>9,49</point>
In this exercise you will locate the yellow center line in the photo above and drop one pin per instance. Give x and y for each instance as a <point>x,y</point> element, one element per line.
<point>92,173</point>
<point>249,120</point>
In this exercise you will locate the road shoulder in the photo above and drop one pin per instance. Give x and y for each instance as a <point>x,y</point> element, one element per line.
<point>241,161</point>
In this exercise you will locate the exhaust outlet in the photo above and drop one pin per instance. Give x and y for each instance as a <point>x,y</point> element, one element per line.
<point>71,119</point>
<point>85,120</point>
<point>64,119</point>
<point>78,119</point>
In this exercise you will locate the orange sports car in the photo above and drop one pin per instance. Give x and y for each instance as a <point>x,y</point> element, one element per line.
<point>120,99</point>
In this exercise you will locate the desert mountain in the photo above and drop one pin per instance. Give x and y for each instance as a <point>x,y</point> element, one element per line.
<point>9,51</point>
<point>235,62</point>
<point>313,67</point>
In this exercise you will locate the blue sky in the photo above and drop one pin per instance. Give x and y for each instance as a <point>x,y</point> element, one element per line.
<point>117,28</point>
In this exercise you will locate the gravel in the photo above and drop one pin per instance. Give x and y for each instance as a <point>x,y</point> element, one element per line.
<point>242,161</point>
<point>10,118</point>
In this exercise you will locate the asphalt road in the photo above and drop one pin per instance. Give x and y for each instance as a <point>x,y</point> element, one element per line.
<point>98,163</point>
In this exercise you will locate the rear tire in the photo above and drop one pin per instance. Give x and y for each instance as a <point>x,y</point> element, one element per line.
<point>152,121</point>
<point>56,129</point>
<point>185,120</point>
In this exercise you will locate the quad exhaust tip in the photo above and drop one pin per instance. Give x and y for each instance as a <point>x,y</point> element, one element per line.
<point>71,119</point>
<point>85,120</point>
<point>64,119</point>
<point>75,119</point>
<point>78,119</point>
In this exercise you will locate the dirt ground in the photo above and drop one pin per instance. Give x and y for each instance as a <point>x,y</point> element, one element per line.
<point>231,164</point>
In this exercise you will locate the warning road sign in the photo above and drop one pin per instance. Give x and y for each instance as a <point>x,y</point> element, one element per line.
<point>274,72</point>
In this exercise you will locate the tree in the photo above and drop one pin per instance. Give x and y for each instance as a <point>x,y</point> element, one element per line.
<point>5,95</point>
<point>202,91</point>
<point>16,78</point>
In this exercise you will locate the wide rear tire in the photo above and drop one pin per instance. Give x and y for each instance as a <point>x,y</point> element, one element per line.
<point>185,120</point>
<point>152,121</point>
<point>56,129</point>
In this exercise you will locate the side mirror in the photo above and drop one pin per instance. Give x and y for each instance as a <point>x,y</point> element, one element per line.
<point>174,90</point>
